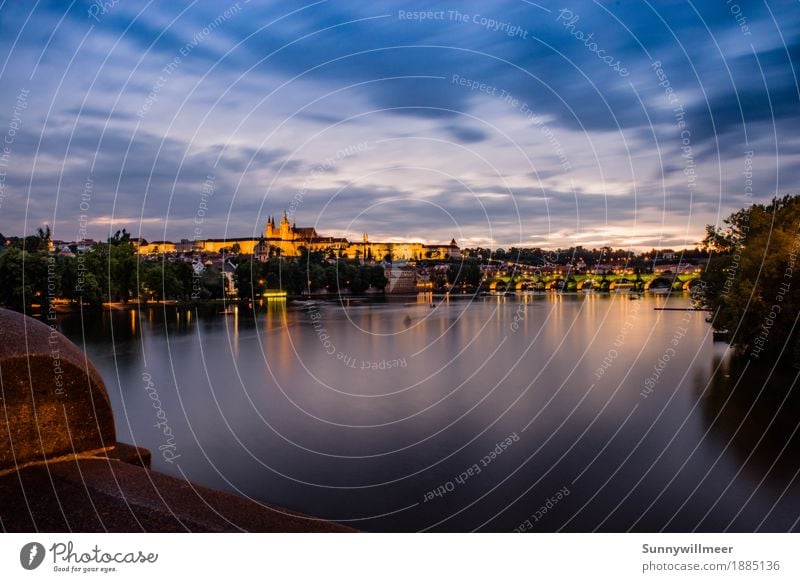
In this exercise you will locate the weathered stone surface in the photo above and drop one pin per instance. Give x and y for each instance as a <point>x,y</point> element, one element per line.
<point>53,400</point>
<point>99,495</point>
<point>130,454</point>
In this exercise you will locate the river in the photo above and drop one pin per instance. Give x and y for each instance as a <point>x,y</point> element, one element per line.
<point>541,412</point>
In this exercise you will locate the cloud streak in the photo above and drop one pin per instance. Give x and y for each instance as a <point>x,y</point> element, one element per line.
<point>563,150</point>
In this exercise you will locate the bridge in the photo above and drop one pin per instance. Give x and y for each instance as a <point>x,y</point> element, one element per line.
<point>606,282</point>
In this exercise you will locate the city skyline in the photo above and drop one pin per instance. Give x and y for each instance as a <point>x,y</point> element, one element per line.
<point>515,125</point>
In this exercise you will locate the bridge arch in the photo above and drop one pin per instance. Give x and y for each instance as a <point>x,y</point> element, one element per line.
<point>621,282</point>
<point>659,283</point>
<point>692,284</point>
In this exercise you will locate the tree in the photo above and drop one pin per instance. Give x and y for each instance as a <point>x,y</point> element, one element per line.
<point>24,277</point>
<point>316,276</point>
<point>211,280</point>
<point>28,272</point>
<point>120,238</point>
<point>726,239</point>
<point>754,289</point>
<point>250,278</point>
<point>183,273</point>
<point>376,277</point>
<point>464,274</point>
<point>167,280</point>
<point>90,290</point>
<point>39,242</point>
<point>122,267</point>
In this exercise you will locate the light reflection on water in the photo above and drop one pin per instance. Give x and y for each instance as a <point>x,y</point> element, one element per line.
<point>356,410</point>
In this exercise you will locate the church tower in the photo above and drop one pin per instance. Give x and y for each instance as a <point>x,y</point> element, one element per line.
<point>285,228</point>
<point>270,231</point>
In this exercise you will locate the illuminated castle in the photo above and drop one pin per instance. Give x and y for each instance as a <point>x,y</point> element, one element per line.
<point>287,240</point>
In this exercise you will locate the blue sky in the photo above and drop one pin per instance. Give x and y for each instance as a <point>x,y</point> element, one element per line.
<point>511,123</point>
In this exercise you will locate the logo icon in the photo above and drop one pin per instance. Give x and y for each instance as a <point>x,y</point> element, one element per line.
<point>31,555</point>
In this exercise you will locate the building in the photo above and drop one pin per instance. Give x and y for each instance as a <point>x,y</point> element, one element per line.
<point>401,279</point>
<point>288,240</point>
<point>228,271</point>
<point>157,247</point>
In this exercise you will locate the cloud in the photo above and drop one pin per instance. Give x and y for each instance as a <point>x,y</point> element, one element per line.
<point>261,95</point>
<point>465,134</point>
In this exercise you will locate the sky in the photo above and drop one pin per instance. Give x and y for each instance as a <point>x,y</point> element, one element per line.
<point>631,124</point>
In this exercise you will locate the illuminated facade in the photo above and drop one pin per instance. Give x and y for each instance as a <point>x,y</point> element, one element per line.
<point>287,240</point>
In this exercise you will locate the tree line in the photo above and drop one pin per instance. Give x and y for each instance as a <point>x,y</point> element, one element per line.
<point>112,271</point>
<point>310,272</point>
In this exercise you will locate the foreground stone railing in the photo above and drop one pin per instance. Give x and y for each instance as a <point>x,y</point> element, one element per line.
<point>62,469</point>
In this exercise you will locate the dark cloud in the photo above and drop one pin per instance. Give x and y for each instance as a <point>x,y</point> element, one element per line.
<point>465,134</point>
<point>221,89</point>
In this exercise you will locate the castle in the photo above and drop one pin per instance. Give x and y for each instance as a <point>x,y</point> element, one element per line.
<point>287,240</point>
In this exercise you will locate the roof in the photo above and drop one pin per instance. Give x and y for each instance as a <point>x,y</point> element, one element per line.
<point>228,240</point>
<point>328,239</point>
<point>306,232</point>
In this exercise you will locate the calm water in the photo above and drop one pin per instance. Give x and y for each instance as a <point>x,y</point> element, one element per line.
<point>549,412</point>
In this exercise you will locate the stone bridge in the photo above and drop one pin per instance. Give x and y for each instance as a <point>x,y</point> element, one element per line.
<point>582,282</point>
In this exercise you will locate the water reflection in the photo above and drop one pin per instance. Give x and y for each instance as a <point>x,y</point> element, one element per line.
<point>753,410</point>
<point>356,409</point>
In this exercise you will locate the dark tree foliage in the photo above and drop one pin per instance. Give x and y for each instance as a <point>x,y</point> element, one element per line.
<point>468,274</point>
<point>751,283</point>
<point>310,272</point>
<point>24,272</point>
<point>32,274</point>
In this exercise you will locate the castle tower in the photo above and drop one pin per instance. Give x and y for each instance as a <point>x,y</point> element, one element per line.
<point>285,228</point>
<point>270,231</point>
